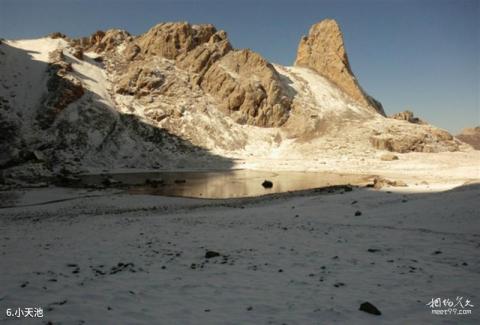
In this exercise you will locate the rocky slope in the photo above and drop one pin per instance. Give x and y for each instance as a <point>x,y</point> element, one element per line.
<point>180,96</point>
<point>471,136</point>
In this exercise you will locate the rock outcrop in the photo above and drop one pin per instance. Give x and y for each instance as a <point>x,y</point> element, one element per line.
<point>407,116</point>
<point>248,88</point>
<point>428,139</point>
<point>169,40</point>
<point>323,50</point>
<point>471,136</point>
<point>244,84</point>
<point>63,89</point>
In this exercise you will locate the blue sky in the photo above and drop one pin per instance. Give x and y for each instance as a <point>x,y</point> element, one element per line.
<point>416,54</point>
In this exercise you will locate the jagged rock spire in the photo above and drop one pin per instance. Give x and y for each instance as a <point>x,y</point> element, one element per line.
<point>323,50</point>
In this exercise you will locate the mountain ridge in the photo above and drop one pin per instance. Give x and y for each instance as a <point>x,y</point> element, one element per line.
<point>117,100</point>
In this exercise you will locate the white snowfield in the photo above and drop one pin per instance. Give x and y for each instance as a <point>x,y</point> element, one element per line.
<point>113,258</point>
<point>311,257</point>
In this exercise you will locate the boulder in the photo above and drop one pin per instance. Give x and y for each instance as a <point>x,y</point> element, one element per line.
<point>267,184</point>
<point>369,308</point>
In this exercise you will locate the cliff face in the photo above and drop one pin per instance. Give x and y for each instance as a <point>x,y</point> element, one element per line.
<point>323,50</point>
<point>244,85</point>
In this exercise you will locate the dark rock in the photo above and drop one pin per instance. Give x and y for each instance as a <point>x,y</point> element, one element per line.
<point>267,184</point>
<point>110,182</point>
<point>57,35</point>
<point>358,213</point>
<point>211,254</point>
<point>373,250</point>
<point>78,53</point>
<point>369,308</point>
<point>155,182</point>
<point>122,267</point>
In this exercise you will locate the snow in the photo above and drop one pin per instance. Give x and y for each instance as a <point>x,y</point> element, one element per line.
<point>320,92</point>
<point>314,238</point>
<point>93,77</point>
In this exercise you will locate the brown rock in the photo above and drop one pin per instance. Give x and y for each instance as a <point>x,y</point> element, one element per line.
<point>169,40</point>
<point>416,139</point>
<point>388,157</point>
<point>110,40</point>
<point>139,81</point>
<point>203,56</point>
<point>407,116</point>
<point>243,83</point>
<point>78,52</point>
<point>471,136</point>
<point>379,182</point>
<point>323,50</point>
<point>248,88</point>
<point>131,52</point>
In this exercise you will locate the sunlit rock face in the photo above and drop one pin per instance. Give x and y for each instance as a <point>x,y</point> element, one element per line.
<point>471,136</point>
<point>323,50</point>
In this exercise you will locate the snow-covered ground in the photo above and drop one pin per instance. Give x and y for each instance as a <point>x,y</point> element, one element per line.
<point>311,257</point>
<point>100,257</point>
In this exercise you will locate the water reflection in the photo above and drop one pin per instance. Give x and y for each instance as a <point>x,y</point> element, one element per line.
<point>222,184</point>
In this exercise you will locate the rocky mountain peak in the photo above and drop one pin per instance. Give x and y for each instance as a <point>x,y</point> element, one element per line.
<point>172,39</point>
<point>323,50</point>
<point>243,84</point>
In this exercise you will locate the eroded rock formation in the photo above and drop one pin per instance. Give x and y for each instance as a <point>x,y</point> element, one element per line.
<point>248,88</point>
<point>244,84</point>
<point>323,50</point>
